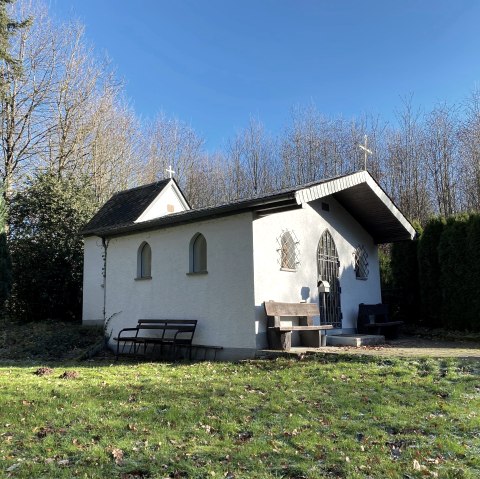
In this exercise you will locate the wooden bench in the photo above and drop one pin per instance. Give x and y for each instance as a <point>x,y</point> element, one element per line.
<point>374,319</point>
<point>279,332</point>
<point>173,333</point>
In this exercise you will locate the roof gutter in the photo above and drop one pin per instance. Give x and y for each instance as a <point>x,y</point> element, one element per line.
<point>192,216</point>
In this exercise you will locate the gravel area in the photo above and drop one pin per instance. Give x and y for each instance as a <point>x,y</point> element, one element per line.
<point>404,347</point>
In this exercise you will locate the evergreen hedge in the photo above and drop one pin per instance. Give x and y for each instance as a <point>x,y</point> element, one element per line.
<point>444,289</point>
<point>454,264</point>
<point>429,272</point>
<point>472,281</point>
<point>404,266</point>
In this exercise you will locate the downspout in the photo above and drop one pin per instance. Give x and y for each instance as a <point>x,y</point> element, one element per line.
<point>104,272</point>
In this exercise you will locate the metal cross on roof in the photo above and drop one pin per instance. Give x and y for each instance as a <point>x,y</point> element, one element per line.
<point>366,152</point>
<point>170,171</point>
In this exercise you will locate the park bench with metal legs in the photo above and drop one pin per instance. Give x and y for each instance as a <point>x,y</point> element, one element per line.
<point>173,334</point>
<point>280,325</point>
<point>374,319</point>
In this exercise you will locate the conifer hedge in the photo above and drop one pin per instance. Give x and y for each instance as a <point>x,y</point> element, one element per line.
<point>453,259</point>
<point>404,265</point>
<point>446,275</point>
<point>429,272</point>
<point>472,281</point>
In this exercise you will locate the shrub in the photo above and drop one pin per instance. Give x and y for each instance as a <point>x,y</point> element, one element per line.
<point>47,251</point>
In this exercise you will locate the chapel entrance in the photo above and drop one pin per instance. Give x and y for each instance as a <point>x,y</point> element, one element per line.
<point>328,266</point>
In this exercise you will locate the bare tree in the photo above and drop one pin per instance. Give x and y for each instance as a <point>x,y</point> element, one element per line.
<point>73,101</point>
<point>170,142</point>
<point>406,173</point>
<point>301,147</point>
<point>442,147</point>
<point>66,112</point>
<point>207,184</point>
<point>315,147</point>
<point>469,136</point>
<point>114,160</point>
<point>252,153</point>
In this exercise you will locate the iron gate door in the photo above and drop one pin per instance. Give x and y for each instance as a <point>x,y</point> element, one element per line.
<point>328,270</point>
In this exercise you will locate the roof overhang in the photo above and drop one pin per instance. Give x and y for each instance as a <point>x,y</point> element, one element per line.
<point>366,201</point>
<point>358,193</point>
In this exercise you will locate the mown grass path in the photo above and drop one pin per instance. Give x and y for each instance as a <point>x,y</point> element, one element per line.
<point>335,416</point>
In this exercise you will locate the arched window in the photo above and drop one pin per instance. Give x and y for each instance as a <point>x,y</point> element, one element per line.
<point>144,261</point>
<point>198,254</point>
<point>328,266</point>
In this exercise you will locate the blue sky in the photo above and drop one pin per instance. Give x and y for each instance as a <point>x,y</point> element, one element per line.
<point>216,63</point>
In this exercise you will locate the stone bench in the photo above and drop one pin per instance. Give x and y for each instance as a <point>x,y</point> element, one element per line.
<point>279,330</point>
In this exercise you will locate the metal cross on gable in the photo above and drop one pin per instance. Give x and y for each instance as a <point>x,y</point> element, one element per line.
<point>170,171</point>
<point>366,152</point>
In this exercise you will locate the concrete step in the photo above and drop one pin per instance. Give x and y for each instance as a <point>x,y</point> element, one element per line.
<point>355,340</point>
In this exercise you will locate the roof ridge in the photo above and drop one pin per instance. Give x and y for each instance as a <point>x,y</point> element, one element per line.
<point>288,194</point>
<point>165,180</point>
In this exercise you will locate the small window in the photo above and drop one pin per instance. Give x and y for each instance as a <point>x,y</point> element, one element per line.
<point>289,257</point>
<point>361,262</point>
<point>198,254</point>
<point>144,261</point>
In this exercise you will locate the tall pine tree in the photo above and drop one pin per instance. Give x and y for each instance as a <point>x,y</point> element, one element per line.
<point>8,28</point>
<point>5,263</point>
<point>9,69</point>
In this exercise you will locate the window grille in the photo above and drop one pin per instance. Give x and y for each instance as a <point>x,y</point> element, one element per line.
<point>289,257</point>
<point>328,270</point>
<point>361,262</point>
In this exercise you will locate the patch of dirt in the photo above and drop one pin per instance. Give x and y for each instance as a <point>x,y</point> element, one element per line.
<point>47,430</point>
<point>43,371</point>
<point>69,375</point>
<point>136,474</point>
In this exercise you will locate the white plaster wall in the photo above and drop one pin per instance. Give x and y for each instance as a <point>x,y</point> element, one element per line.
<point>221,300</point>
<point>92,312</point>
<point>170,195</point>
<point>308,224</point>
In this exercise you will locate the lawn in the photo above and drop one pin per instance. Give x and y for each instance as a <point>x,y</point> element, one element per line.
<point>325,416</point>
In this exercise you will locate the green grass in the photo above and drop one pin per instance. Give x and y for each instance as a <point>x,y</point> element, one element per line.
<point>349,417</point>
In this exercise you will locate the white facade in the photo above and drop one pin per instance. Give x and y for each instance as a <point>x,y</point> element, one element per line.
<point>308,224</point>
<point>243,270</point>
<point>221,300</point>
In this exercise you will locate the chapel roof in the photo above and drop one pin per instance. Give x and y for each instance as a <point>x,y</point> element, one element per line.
<point>124,207</point>
<point>357,192</point>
